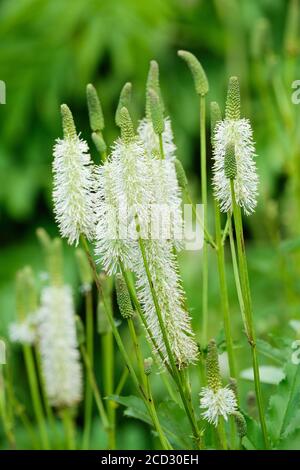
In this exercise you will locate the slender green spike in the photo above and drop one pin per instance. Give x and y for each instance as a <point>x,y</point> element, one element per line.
<point>30,289</point>
<point>55,261</point>
<point>20,295</point>
<point>153,84</point>
<point>241,424</point>
<point>94,108</point>
<point>69,128</point>
<point>199,76</point>
<point>127,131</point>
<point>99,142</point>
<point>215,116</point>
<point>292,29</point>
<point>86,276</point>
<point>156,112</point>
<point>233,101</point>
<point>124,101</point>
<point>212,367</point>
<point>123,297</point>
<point>180,173</point>
<point>148,363</point>
<point>43,238</point>
<point>230,161</point>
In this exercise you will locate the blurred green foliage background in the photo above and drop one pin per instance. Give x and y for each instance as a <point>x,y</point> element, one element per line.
<point>50,50</point>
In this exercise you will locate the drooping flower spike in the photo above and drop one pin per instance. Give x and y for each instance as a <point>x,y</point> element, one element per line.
<point>233,146</point>
<point>73,183</point>
<point>216,401</point>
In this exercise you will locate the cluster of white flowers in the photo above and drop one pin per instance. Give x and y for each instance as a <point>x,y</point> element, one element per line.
<point>216,403</point>
<point>239,134</point>
<point>58,347</point>
<point>23,332</point>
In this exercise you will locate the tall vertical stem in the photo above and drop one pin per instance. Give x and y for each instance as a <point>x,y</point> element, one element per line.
<point>88,405</point>
<point>245,286</point>
<point>204,202</point>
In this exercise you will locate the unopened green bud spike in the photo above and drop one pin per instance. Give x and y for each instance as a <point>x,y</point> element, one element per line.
<point>69,128</point>
<point>180,173</point>
<point>127,131</point>
<point>212,367</point>
<point>241,424</point>
<point>95,109</point>
<point>230,167</point>
<point>99,143</point>
<point>199,76</point>
<point>153,84</point>
<point>123,297</point>
<point>124,101</point>
<point>233,101</point>
<point>156,112</point>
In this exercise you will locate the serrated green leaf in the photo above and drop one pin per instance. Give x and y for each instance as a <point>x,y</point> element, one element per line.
<point>284,406</point>
<point>254,438</point>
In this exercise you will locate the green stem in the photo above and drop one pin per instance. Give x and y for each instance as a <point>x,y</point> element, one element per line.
<point>69,428</point>
<point>204,202</point>
<point>222,433</point>
<point>207,237</point>
<point>175,372</point>
<point>161,146</point>
<point>88,405</point>
<point>108,357</point>
<point>122,382</point>
<point>145,384</point>
<point>94,387</point>
<point>245,286</point>
<point>7,425</point>
<point>35,395</point>
<point>224,292</point>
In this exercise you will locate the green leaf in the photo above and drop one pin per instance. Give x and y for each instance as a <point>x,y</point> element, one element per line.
<point>171,417</point>
<point>284,406</point>
<point>254,438</point>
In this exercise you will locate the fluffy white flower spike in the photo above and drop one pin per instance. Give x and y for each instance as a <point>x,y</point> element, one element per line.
<point>236,133</point>
<point>215,400</point>
<point>23,332</point>
<point>73,183</point>
<point>58,347</point>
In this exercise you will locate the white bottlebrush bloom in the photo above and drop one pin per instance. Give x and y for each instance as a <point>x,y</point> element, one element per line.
<point>168,288</point>
<point>124,190</point>
<point>58,347</point>
<point>238,133</point>
<point>23,332</point>
<point>73,189</point>
<point>151,140</point>
<point>216,403</point>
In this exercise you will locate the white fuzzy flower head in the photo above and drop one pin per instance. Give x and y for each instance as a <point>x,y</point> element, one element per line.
<point>73,184</point>
<point>237,133</point>
<point>58,347</point>
<point>23,332</point>
<point>216,403</point>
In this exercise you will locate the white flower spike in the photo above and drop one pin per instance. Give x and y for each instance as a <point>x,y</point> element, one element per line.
<point>221,402</point>
<point>73,184</point>
<point>236,133</point>
<point>58,347</point>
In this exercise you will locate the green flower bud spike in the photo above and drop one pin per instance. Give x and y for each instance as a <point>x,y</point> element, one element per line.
<point>212,367</point>
<point>127,131</point>
<point>85,272</point>
<point>199,76</point>
<point>99,143</point>
<point>181,176</point>
<point>233,101</point>
<point>94,109</point>
<point>240,423</point>
<point>215,116</point>
<point>69,128</point>
<point>31,298</point>
<point>153,84</point>
<point>156,112</point>
<point>148,363</point>
<point>230,162</point>
<point>124,101</point>
<point>123,297</point>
